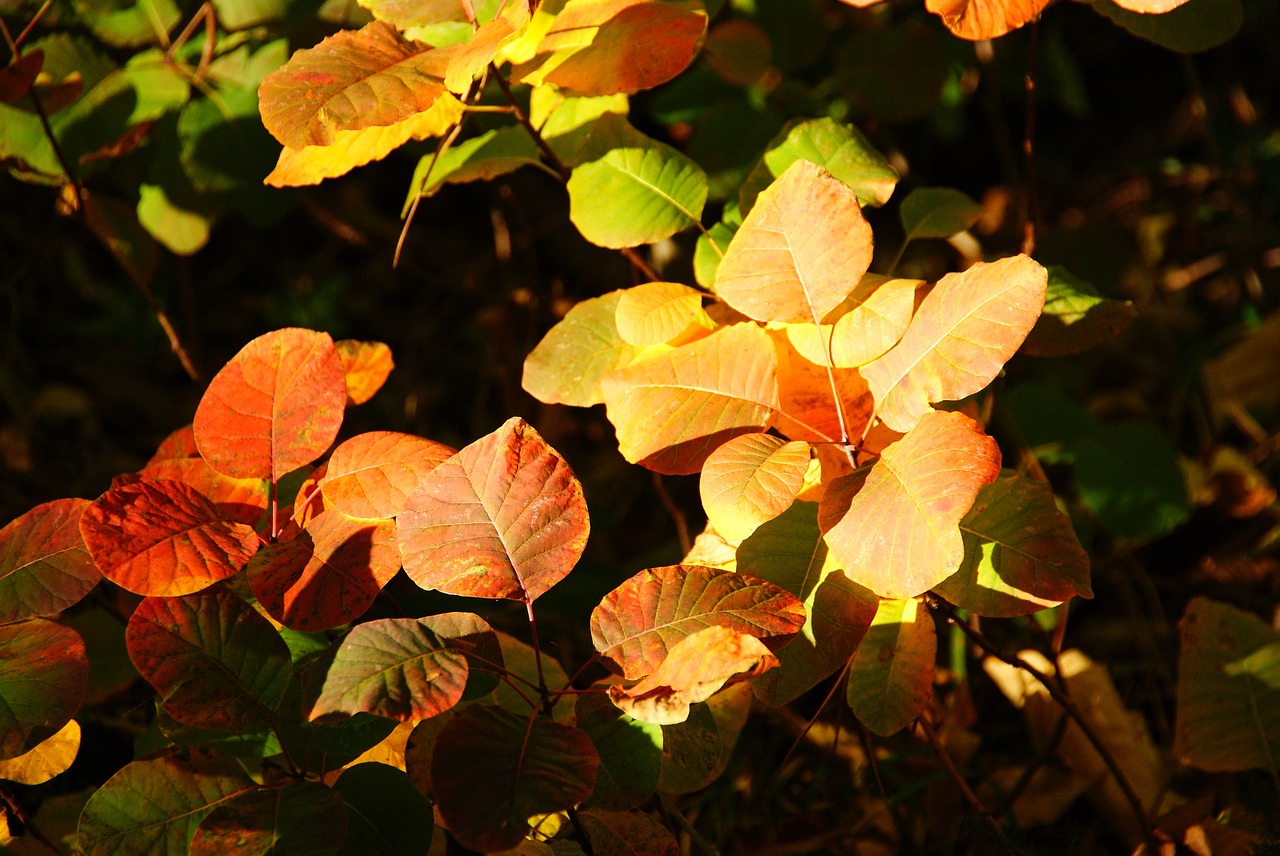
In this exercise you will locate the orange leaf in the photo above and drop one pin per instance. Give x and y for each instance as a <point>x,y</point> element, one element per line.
<point>275,406</point>
<point>238,500</point>
<point>179,444</point>
<point>44,564</point>
<point>367,366</point>
<point>784,263</point>
<point>870,322</point>
<point>163,538</point>
<point>503,518</point>
<point>807,405</point>
<point>751,479</point>
<point>677,407</point>
<point>966,329</point>
<point>374,474</point>
<point>985,19</point>
<point>901,533</point>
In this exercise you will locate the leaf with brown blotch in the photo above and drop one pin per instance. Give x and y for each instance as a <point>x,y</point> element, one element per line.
<point>964,332</point>
<point>807,408</point>
<point>695,669</point>
<point>569,364</point>
<point>901,533</point>
<point>374,474</point>
<point>985,19</point>
<point>868,323</point>
<point>237,500</point>
<point>164,538</point>
<point>674,409</point>
<point>891,673</point>
<point>638,623</point>
<point>327,575</point>
<point>275,406</point>
<point>352,80</point>
<point>657,313</point>
<point>503,518</point>
<point>785,264</point>
<point>45,566</point>
<point>751,479</point>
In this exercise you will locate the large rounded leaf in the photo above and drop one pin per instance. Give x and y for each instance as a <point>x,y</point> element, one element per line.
<point>372,474</point>
<point>493,770</point>
<point>570,362</point>
<point>215,662</point>
<point>386,814</point>
<point>503,518</point>
<point>43,676</point>
<point>164,538</point>
<point>301,819</point>
<point>237,500</point>
<point>275,406</point>
<point>891,674</point>
<point>751,479</point>
<point>630,752</point>
<point>638,623</point>
<point>44,564</point>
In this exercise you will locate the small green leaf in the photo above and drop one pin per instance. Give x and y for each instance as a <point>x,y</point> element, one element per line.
<point>129,23</point>
<point>891,675</point>
<point>937,212</point>
<point>492,154</point>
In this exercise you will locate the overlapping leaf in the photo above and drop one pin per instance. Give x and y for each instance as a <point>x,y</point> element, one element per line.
<point>937,212</point>
<point>237,500</point>
<point>503,518</point>
<point>373,474</point>
<point>44,564</point>
<point>385,812</point>
<point>751,479</point>
<point>696,752</point>
<point>215,662</point>
<point>674,409</point>
<point>965,330</point>
<point>367,365</point>
<point>870,321</point>
<point>275,406</point>
<point>50,758</point>
<point>1075,318</point>
<point>640,621</point>
<point>891,675</point>
<point>808,408</point>
<point>659,312</point>
<point>985,19</point>
<point>43,675</point>
<point>901,533</point>
<point>628,832</point>
<point>630,753</point>
<point>837,147</point>
<point>163,538</point>
<point>304,818</point>
<point>569,364</point>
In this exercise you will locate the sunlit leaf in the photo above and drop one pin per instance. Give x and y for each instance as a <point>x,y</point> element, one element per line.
<point>627,833</point>
<point>1228,689</point>
<point>180,443</point>
<point>568,365</point>
<point>214,661</point>
<point>964,332</point>
<point>1020,552</point>
<point>163,538</point>
<point>405,668</point>
<point>328,574</point>
<point>937,212</point>
<point>565,122</point>
<point>406,14</point>
<point>783,263</point>
<point>985,19</point>
<point>183,231</point>
<point>128,24</point>
<point>901,534</point>
<point>473,57</point>
<point>891,675</point>
<point>1075,318</point>
<point>373,474</point>
<point>1194,26</point>
<point>869,322</point>
<point>656,313</point>
<point>351,80</point>
<point>275,406</point>
<point>837,147</point>
<point>44,564</point>
<point>818,404</point>
<point>630,753</point>
<point>385,812</point>
<point>493,770</point>
<point>674,409</point>
<point>751,479</point>
<point>43,675</point>
<point>366,365</point>
<point>696,752</point>
<point>237,500</point>
<point>638,623</point>
<point>503,518</point>
<point>51,757</point>
<point>153,807</point>
<point>306,818</point>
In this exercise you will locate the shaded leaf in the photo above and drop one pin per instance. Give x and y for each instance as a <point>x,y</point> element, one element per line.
<point>568,365</point>
<point>481,158</point>
<point>520,661</point>
<point>656,313</point>
<point>1020,552</point>
<point>275,406</point>
<point>51,757</point>
<point>214,661</point>
<point>43,675</point>
<point>868,322</point>
<point>385,812</point>
<point>1127,473</point>
<point>751,479</point>
<point>639,622</point>
<point>326,746</point>
<point>630,753</point>
<point>1194,26</point>
<point>937,212</point>
<point>306,818</point>
<point>985,19</point>
<point>366,366</point>
<point>1075,318</point>
<point>674,409</point>
<point>696,752</point>
<point>18,76</point>
<point>627,833</point>
<point>493,770</point>
<point>962,335</point>
<point>837,147</point>
<point>44,564</point>
<point>373,474</point>
<point>891,674</point>
<point>163,538</point>
<point>901,534</point>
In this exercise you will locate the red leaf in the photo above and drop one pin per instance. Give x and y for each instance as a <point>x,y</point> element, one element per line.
<point>238,500</point>
<point>374,474</point>
<point>17,77</point>
<point>43,675</point>
<point>179,444</point>
<point>275,406</point>
<point>503,518</point>
<point>638,623</point>
<point>367,366</point>
<point>44,564</point>
<point>164,538</point>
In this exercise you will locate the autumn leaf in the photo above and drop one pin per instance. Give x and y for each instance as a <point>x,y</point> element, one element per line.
<point>985,19</point>
<point>818,404</point>
<point>628,832</point>
<point>630,753</point>
<point>237,500</point>
<point>43,675</point>
<point>891,674</point>
<point>366,365</point>
<point>570,363</point>
<point>869,322</point>
<point>937,212</point>
<point>44,564</point>
<point>657,313</point>
<point>751,479</point>
<point>50,758</point>
<point>374,474</point>
<point>1075,318</point>
<point>301,817</point>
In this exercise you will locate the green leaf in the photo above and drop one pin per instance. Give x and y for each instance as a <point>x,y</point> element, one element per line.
<point>129,23</point>
<point>520,661</point>
<point>937,212</point>
<point>570,362</point>
<point>182,232</point>
<point>242,14</point>
<point>630,753</point>
<point>483,158</point>
<point>44,564</point>
<point>891,674</point>
<point>386,814</point>
<point>631,189</point>
<point>43,675</point>
<point>224,147</point>
<point>303,818</point>
<point>1192,27</point>
<point>696,752</point>
<point>1128,475</point>
<point>1075,317</point>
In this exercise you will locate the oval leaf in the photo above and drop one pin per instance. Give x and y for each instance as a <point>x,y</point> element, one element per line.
<point>51,757</point>
<point>570,362</point>
<point>633,833</point>
<point>658,312</point>
<point>503,518</point>
<point>373,474</point>
<point>985,19</point>
<point>303,818</point>
<point>837,147</point>
<point>751,479</point>
<point>237,500</point>
<point>891,675</point>
<point>630,752</point>
<point>275,406</point>
<point>367,365</point>
<point>44,564</point>
<point>43,676</point>
<point>1075,318</point>
<point>869,322</point>
<point>937,212</point>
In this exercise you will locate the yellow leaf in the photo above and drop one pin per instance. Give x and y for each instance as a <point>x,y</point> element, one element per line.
<point>751,479</point>
<point>47,760</point>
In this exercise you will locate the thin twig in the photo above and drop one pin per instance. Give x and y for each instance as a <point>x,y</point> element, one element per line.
<point>673,510</point>
<point>970,797</point>
<point>1031,206</point>
<point>543,693</point>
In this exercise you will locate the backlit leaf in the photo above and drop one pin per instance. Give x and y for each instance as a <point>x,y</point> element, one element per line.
<point>638,623</point>
<point>783,263</point>
<point>901,534</point>
<point>1193,26</point>
<point>964,332</point>
<point>327,575</point>
<point>870,321</point>
<point>520,661</point>
<point>44,564</point>
<point>237,500</point>
<point>807,403</point>
<point>17,77</point>
<point>275,406</point>
<point>43,675</point>
<point>163,538</point>
<point>373,474</point>
<point>837,147</point>
<point>751,479</point>
<point>303,818</point>
<point>351,80</point>
<point>659,312</point>
<point>627,833</point>
<point>417,13</point>
<point>472,58</point>
<point>386,814</point>
<point>1075,318</point>
<point>503,518</point>
<point>569,363</point>
<point>630,752</point>
<point>985,19</point>
<point>891,675</point>
<point>181,443</point>
<point>631,189</point>
<point>1020,552</point>
<point>366,365</point>
<point>405,668</point>
<point>493,770</point>
<point>153,807</point>
<point>937,212</point>
<point>215,662</point>
<point>51,757</point>
<point>674,409</point>
<point>1150,7</point>
<point>481,158</point>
